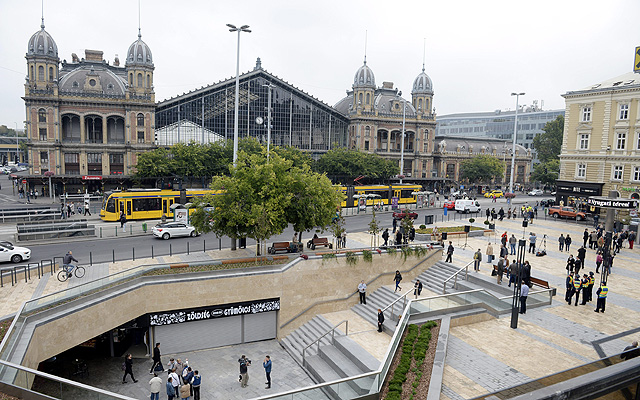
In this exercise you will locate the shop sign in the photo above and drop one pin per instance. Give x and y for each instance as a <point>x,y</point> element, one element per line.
<point>630,189</point>
<point>210,312</point>
<point>91,177</point>
<point>611,203</point>
<point>577,189</point>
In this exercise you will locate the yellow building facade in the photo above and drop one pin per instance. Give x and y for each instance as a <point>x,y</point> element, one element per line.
<point>601,142</point>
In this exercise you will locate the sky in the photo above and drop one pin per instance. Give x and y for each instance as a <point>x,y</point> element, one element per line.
<point>475,52</point>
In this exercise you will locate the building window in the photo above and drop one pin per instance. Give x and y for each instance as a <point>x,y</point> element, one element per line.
<point>584,142</point>
<point>582,170</point>
<point>624,111</point>
<point>419,104</point>
<point>149,81</point>
<point>43,134</point>
<point>617,172</point>
<point>71,163</point>
<point>368,98</point>
<point>621,140</point>
<point>366,145</point>
<point>367,131</point>
<point>42,116</point>
<point>44,158</point>
<point>140,120</point>
<point>93,129</point>
<point>71,128</point>
<point>360,98</point>
<point>139,80</point>
<point>636,174</point>
<point>94,163</point>
<point>131,79</point>
<point>41,73</point>
<point>140,137</point>
<point>586,114</point>
<point>116,163</point>
<point>50,73</point>
<point>638,141</point>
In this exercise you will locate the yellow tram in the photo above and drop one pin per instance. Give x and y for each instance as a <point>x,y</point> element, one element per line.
<point>386,194</point>
<point>145,203</point>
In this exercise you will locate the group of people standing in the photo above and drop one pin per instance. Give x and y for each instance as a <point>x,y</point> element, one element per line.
<point>182,381</point>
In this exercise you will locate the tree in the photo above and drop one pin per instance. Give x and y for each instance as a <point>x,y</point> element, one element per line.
<point>481,168</point>
<point>549,143</point>
<point>347,164</point>
<point>374,230</point>
<point>546,173</point>
<point>154,163</point>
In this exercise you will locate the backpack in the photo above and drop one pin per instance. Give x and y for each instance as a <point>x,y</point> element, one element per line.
<point>124,366</point>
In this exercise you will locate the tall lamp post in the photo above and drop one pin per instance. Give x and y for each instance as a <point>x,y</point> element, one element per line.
<point>515,131</point>
<point>17,146</point>
<point>233,28</point>
<point>404,114</point>
<point>515,303</point>
<point>270,87</point>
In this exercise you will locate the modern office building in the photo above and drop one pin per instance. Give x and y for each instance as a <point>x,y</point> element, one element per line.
<point>499,125</point>
<point>87,119</point>
<point>297,118</point>
<point>601,143</point>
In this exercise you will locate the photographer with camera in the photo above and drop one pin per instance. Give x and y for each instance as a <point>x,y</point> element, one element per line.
<point>244,370</point>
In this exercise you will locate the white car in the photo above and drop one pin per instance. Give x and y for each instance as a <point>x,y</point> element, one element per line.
<point>536,192</point>
<point>168,230</point>
<point>14,254</point>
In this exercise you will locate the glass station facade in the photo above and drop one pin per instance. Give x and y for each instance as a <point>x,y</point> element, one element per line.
<point>298,119</point>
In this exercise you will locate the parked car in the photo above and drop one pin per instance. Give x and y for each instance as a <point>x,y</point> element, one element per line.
<point>403,213</point>
<point>14,254</point>
<point>547,203</point>
<point>536,192</point>
<point>451,205</point>
<point>459,194</point>
<point>566,212</point>
<point>168,230</point>
<point>466,206</point>
<point>497,193</point>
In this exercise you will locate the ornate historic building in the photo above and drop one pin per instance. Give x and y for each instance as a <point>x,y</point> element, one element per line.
<point>86,119</point>
<point>376,116</point>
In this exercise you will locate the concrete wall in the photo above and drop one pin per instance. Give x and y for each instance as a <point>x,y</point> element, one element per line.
<point>305,288</point>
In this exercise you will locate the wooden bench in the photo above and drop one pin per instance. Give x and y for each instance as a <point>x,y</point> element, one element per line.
<point>320,242</point>
<point>279,246</point>
<point>539,282</point>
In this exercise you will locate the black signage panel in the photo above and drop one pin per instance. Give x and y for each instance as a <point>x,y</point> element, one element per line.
<point>603,202</point>
<point>210,312</point>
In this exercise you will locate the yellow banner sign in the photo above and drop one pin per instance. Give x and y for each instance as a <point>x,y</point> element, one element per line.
<point>636,63</point>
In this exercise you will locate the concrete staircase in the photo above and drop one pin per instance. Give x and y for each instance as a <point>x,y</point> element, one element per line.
<point>337,357</point>
<point>434,277</point>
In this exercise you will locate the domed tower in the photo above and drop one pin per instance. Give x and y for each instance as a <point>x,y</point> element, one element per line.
<point>42,61</point>
<point>139,67</point>
<point>422,93</point>
<point>364,86</point>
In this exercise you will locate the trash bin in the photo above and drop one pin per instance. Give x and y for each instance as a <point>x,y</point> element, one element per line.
<point>428,219</point>
<point>144,227</point>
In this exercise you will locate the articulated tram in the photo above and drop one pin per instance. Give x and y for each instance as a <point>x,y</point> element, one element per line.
<point>383,194</point>
<point>145,203</point>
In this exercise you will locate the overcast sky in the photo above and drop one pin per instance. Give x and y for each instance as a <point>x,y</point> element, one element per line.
<point>477,52</point>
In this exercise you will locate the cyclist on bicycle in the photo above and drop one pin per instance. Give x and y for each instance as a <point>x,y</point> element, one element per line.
<point>66,263</point>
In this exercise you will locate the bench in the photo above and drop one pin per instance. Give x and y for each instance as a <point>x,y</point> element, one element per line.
<point>539,282</point>
<point>279,246</point>
<point>320,242</point>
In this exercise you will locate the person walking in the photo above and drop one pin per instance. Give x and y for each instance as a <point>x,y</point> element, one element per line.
<point>602,292</point>
<point>380,320</point>
<point>450,250</point>
<point>632,239</point>
<point>504,252</point>
<point>532,243</point>
<point>128,368</point>
<point>524,293</point>
<point>417,288</point>
<point>585,237</point>
<point>593,239</point>
<point>561,241</point>
<point>397,278</point>
<point>513,274</point>
<point>123,221</point>
<point>171,390</point>
<point>362,291</point>
<point>500,271</point>
<point>489,253</point>
<point>385,236</point>
<point>395,225</point>
<point>155,385</point>
<point>195,385</point>
<point>477,257</point>
<point>577,286</point>
<point>244,370</point>
<point>598,261</point>
<point>570,263</point>
<point>157,362</point>
<point>267,370</point>
<point>567,242</point>
<point>501,214</point>
<point>86,209</point>
<point>512,244</point>
<point>569,287</point>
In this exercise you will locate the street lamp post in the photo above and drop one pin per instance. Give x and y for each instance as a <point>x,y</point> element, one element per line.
<point>404,114</point>
<point>515,131</point>
<point>233,28</point>
<point>17,146</point>
<point>270,87</point>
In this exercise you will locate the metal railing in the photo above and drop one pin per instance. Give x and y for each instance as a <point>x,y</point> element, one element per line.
<point>393,303</point>
<point>455,277</point>
<point>331,331</point>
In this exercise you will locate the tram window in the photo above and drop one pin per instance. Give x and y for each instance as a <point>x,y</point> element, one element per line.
<point>111,205</point>
<point>406,193</point>
<point>146,204</point>
<point>164,207</point>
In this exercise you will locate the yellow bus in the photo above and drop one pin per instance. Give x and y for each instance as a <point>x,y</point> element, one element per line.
<point>385,192</point>
<point>145,203</point>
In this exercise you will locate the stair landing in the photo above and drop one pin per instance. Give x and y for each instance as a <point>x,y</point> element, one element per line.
<point>362,332</point>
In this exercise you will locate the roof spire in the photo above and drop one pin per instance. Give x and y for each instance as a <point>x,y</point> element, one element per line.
<point>365,47</point>
<point>139,30</point>
<point>42,24</point>
<point>424,51</point>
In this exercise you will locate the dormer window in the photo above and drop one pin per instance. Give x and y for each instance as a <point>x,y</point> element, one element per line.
<point>75,84</point>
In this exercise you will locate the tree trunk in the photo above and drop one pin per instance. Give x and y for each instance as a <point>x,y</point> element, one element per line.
<point>233,243</point>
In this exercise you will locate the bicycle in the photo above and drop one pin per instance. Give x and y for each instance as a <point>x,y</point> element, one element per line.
<point>63,274</point>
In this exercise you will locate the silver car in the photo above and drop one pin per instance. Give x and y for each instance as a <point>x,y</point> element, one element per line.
<point>168,230</point>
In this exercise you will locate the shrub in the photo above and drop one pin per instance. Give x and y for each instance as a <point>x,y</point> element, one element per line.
<point>472,220</point>
<point>406,252</point>
<point>423,226</point>
<point>391,251</point>
<point>328,256</point>
<point>352,258</point>
<point>486,222</point>
<point>367,255</point>
<point>420,251</point>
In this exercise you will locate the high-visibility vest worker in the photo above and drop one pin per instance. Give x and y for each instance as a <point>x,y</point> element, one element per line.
<point>576,283</point>
<point>603,292</point>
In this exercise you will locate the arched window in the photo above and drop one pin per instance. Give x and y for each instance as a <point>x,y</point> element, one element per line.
<point>41,73</point>
<point>360,98</point>
<point>148,81</point>
<point>131,79</point>
<point>32,76</point>
<point>140,120</point>
<point>42,115</point>
<point>50,73</point>
<point>139,80</point>
<point>419,104</point>
<point>426,104</point>
<point>368,98</point>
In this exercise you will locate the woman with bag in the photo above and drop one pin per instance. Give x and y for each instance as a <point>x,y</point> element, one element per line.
<point>127,366</point>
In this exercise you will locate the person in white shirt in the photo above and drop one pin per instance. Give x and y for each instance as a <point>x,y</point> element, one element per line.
<point>362,290</point>
<point>155,386</point>
<point>524,293</point>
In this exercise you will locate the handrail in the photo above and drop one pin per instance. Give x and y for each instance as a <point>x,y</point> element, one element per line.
<point>530,293</point>
<point>330,331</point>
<point>455,275</point>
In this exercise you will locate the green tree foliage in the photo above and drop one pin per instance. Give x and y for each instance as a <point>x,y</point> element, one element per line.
<point>350,164</point>
<point>546,173</point>
<point>549,143</point>
<point>481,168</point>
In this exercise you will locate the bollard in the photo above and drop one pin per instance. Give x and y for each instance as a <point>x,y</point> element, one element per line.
<point>187,248</point>
<point>1,276</point>
<point>116,229</point>
<point>152,252</point>
<point>219,243</point>
<point>170,250</point>
<point>113,253</point>
<point>204,245</point>
<point>133,250</point>
<point>100,232</point>
<point>130,229</point>
<point>90,259</point>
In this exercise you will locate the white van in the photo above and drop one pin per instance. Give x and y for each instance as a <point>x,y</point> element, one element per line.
<point>466,206</point>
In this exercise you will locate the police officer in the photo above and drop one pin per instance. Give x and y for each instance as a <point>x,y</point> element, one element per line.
<point>585,289</point>
<point>592,281</point>
<point>577,284</point>
<point>602,292</point>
